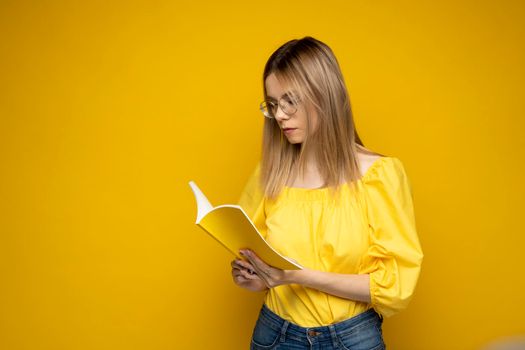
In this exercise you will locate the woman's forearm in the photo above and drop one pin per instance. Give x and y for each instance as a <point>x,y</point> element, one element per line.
<point>348,286</point>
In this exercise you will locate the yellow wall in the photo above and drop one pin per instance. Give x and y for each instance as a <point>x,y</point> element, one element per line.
<point>108,110</point>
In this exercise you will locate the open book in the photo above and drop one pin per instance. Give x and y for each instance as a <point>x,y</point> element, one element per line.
<point>231,227</point>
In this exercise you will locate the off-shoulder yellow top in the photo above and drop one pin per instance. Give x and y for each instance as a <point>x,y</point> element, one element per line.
<point>371,231</point>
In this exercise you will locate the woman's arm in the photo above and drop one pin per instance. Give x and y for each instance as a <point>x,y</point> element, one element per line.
<point>348,286</point>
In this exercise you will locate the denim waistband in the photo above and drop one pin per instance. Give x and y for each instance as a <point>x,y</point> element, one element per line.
<point>316,334</point>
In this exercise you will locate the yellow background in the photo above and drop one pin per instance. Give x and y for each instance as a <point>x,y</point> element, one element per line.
<point>108,109</point>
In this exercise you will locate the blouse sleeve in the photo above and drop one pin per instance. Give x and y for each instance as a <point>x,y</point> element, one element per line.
<point>252,199</point>
<point>394,256</point>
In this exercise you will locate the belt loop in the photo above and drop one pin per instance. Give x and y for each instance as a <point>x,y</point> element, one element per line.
<point>333,333</point>
<point>283,331</point>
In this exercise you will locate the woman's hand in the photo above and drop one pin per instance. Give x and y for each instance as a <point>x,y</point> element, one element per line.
<point>271,276</point>
<point>245,277</point>
<point>349,286</point>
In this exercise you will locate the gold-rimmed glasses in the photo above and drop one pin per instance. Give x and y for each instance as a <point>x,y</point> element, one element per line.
<point>287,103</point>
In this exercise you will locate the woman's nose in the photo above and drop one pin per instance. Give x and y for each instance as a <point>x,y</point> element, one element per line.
<point>280,115</point>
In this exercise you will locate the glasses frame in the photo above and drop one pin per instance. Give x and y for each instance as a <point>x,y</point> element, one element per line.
<point>289,108</point>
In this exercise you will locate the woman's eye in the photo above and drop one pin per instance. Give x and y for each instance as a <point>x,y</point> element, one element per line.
<point>290,101</point>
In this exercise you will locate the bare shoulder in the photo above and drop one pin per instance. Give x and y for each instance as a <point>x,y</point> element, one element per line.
<point>366,158</point>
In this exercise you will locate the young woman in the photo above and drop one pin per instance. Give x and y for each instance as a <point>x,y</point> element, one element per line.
<point>320,197</point>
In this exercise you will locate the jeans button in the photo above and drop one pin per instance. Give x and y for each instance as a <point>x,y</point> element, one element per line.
<point>313,333</point>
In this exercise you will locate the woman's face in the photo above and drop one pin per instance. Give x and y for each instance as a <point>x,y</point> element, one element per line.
<point>294,127</point>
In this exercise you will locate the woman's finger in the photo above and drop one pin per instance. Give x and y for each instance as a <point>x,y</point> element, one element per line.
<point>236,272</point>
<point>242,276</point>
<point>243,265</point>
<point>264,277</point>
<point>236,262</point>
<point>252,264</point>
<point>249,275</point>
<point>260,266</point>
<point>239,274</point>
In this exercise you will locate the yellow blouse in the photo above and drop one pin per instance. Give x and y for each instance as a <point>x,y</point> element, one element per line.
<point>371,231</point>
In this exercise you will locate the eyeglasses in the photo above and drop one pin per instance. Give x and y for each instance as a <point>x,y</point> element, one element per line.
<point>287,103</point>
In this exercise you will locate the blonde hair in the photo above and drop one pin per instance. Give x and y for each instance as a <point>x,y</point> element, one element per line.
<point>309,67</point>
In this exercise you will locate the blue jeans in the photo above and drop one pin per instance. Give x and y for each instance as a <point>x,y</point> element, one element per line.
<point>361,332</point>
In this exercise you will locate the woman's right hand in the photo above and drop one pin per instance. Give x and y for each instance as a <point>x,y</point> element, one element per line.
<point>244,276</point>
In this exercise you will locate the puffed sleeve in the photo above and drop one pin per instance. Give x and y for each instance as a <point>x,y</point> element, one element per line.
<point>252,199</point>
<point>394,256</point>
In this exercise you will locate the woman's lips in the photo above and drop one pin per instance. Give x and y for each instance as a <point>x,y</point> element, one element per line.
<point>288,131</point>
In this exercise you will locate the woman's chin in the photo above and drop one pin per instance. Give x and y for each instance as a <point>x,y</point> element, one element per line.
<point>294,142</point>
<point>294,139</point>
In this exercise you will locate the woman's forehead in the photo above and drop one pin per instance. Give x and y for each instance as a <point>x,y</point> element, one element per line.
<point>277,87</point>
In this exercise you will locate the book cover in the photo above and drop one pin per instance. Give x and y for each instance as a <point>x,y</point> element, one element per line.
<point>232,228</point>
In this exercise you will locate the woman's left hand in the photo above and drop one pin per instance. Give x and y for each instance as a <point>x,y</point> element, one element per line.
<point>271,276</point>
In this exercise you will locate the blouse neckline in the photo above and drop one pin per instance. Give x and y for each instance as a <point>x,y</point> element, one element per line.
<point>363,178</point>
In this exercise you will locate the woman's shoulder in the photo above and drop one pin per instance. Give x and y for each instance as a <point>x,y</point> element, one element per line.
<point>373,164</point>
<point>366,161</point>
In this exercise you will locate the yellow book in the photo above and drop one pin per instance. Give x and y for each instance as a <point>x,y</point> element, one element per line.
<point>231,227</point>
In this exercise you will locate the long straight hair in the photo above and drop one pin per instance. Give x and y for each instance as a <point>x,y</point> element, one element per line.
<point>310,68</point>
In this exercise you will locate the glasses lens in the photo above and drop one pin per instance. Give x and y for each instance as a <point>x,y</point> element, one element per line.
<point>268,109</point>
<point>288,105</point>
